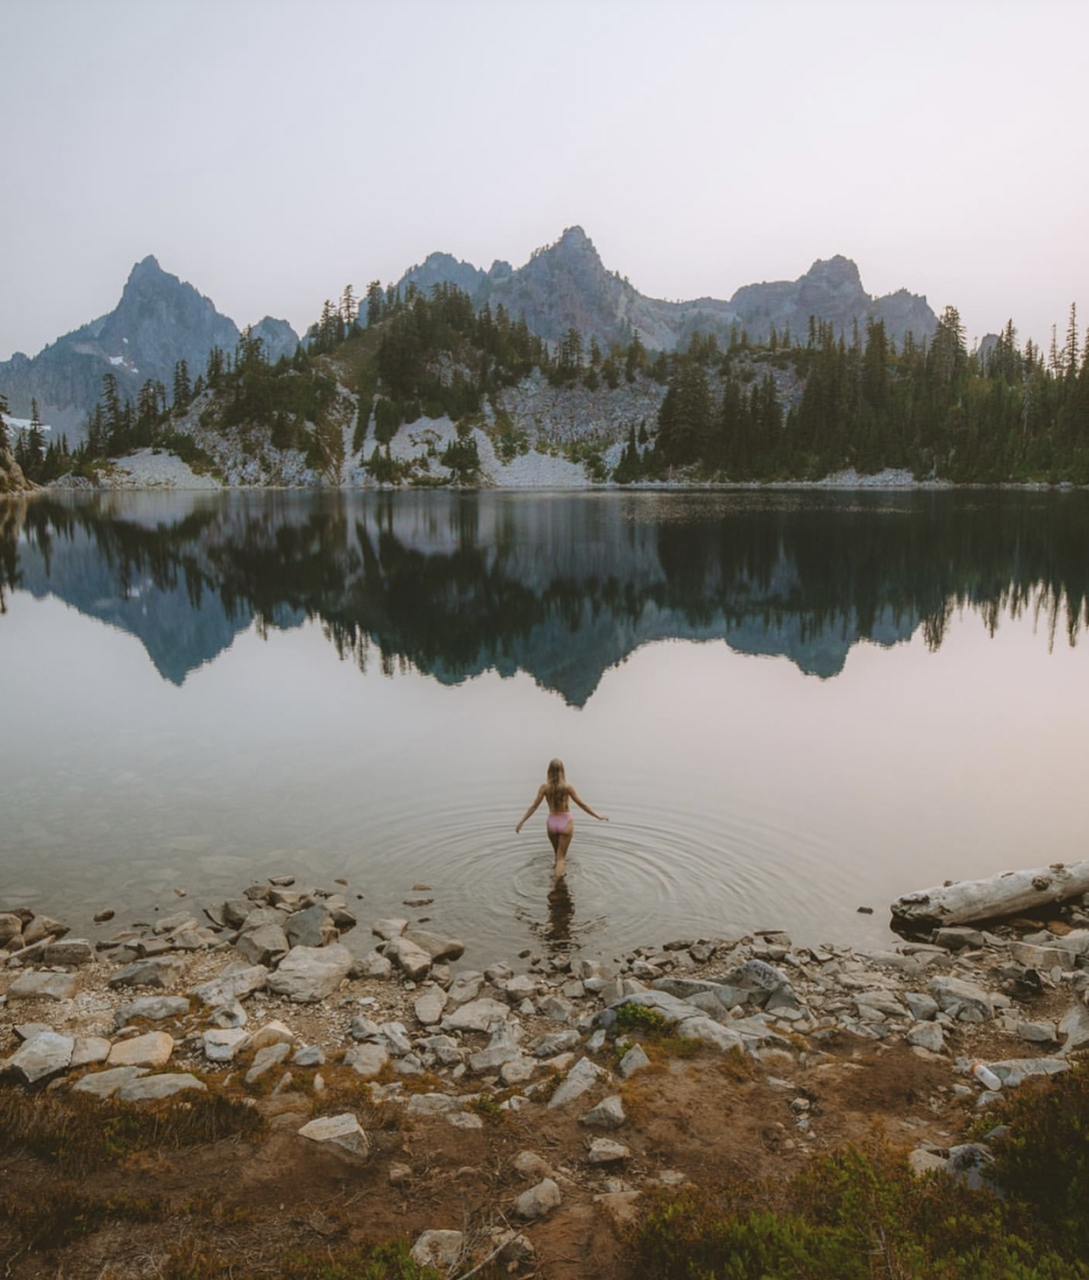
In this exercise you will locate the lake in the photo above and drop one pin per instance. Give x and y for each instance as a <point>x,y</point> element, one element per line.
<point>791,704</point>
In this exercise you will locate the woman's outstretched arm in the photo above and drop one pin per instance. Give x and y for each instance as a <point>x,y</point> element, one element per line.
<point>601,817</point>
<point>528,813</point>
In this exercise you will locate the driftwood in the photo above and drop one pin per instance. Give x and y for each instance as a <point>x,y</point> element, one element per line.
<point>1006,894</point>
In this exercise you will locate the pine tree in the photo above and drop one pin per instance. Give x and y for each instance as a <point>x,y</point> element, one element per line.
<point>183,392</point>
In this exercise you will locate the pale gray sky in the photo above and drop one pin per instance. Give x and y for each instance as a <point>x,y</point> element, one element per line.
<point>271,151</point>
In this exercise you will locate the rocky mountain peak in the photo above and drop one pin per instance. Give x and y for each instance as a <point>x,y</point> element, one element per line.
<point>836,275</point>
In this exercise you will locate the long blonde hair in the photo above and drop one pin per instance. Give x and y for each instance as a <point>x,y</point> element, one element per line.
<point>556,787</point>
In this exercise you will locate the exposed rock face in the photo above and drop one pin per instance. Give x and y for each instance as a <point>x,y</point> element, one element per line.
<point>158,321</point>
<point>566,284</point>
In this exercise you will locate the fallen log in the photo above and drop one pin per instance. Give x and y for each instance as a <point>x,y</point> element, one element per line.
<point>1005,894</point>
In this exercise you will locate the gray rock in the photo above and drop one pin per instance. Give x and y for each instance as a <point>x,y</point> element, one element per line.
<point>309,1055</point>
<point>557,1008</point>
<point>926,1035</point>
<point>530,1165</point>
<point>580,1079</point>
<point>476,1015</point>
<point>606,1151</point>
<point>547,1046</point>
<point>367,1060</point>
<point>433,1104</point>
<point>43,1055</point>
<point>517,1071</point>
<point>438,1249</point>
<point>924,1161</point>
<point>258,917</point>
<point>43,986</point>
<point>69,951</point>
<point>309,974</point>
<point>413,961</point>
<point>464,1120</point>
<point>88,1051</point>
<point>11,928</point>
<point>1075,1027</point>
<point>311,927</point>
<point>502,1048</point>
<point>342,1133</point>
<point>389,929</point>
<point>27,1030</point>
<point>970,1163</point>
<point>634,1060</point>
<point>608,1114</point>
<point>445,1048</point>
<point>267,1058</point>
<point>428,1006</point>
<point>1037,1032</point>
<point>152,1088</point>
<point>707,1031</point>
<point>265,945</point>
<point>465,987</point>
<point>104,1084</point>
<point>965,1001</point>
<point>151,1050</point>
<point>1043,959</point>
<point>234,983</point>
<point>169,924</point>
<point>538,1201</point>
<point>221,1045</point>
<point>394,1036</point>
<point>155,971</point>
<point>154,1008</point>
<point>922,1007</point>
<point>438,948</point>
<point>372,965</point>
<point>229,1016</point>
<point>1013,1071</point>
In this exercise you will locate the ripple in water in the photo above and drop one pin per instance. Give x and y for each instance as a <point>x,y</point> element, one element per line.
<point>656,875</point>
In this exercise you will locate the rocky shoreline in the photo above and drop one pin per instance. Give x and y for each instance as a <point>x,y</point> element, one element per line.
<point>260,996</point>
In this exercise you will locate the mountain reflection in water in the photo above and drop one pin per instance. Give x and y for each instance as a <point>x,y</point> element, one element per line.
<point>562,587</point>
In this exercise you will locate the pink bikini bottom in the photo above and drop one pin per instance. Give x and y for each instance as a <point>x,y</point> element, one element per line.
<point>558,823</point>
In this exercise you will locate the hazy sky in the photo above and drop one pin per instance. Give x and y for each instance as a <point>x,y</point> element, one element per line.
<point>271,151</point>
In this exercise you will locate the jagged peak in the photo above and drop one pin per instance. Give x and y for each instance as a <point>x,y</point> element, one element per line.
<point>838,268</point>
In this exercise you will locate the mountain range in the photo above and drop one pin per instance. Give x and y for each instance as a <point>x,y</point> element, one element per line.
<point>161,320</point>
<point>566,284</point>
<point>158,321</point>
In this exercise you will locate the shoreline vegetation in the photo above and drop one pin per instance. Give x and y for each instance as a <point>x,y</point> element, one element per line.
<point>431,392</point>
<point>233,1090</point>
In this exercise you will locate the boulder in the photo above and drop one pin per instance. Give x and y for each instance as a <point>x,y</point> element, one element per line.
<point>927,1035</point>
<point>367,1059</point>
<point>104,1084</point>
<point>606,1151</point>
<point>221,1045</point>
<point>154,1008</point>
<point>428,1007</point>
<point>437,948</point>
<point>388,929</point>
<point>965,1001</point>
<point>708,1031</point>
<point>311,927</point>
<point>151,1050</point>
<point>309,974</point>
<point>477,1015</point>
<point>538,1201</point>
<point>413,961</point>
<point>267,1058</point>
<point>273,1032</point>
<point>265,945</point>
<point>153,1088</point>
<point>547,1046</point>
<point>88,1051</point>
<point>234,983</point>
<point>154,971</point>
<point>1012,1071</point>
<point>438,1249</point>
<point>11,928</point>
<point>69,951</point>
<point>1075,1027</point>
<point>43,986</point>
<point>580,1079</point>
<point>43,1055</point>
<point>342,1134</point>
<point>634,1060</point>
<point>372,965</point>
<point>608,1114</point>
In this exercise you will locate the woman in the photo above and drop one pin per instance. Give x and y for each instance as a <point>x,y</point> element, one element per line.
<point>561,824</point>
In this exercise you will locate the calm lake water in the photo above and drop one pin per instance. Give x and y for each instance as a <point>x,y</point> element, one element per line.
<point>790,704</point>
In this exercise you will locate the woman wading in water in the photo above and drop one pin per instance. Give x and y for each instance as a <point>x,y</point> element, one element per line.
<point>561,823</point>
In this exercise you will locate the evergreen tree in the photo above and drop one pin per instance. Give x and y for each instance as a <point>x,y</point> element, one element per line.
<point>183,392</point>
